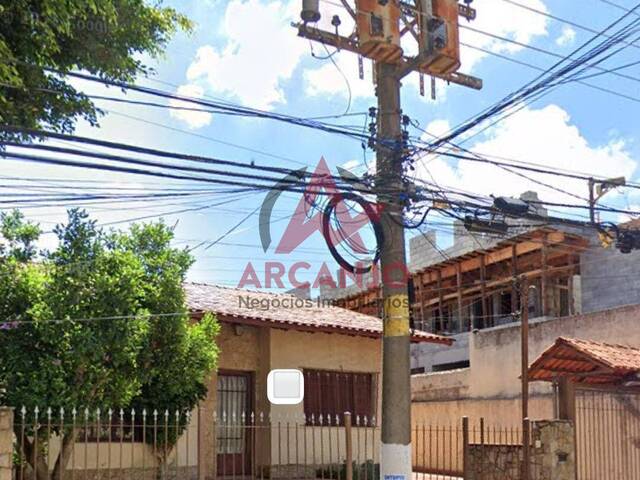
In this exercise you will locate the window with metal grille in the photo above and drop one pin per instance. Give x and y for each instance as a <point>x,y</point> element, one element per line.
<point>329,394</point>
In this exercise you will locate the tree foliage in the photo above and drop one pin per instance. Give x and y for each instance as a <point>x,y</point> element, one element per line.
<point>99,321</point>
<point>108,38</point>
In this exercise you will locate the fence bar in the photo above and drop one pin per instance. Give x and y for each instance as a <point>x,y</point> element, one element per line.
<point>348,445</point>
<point>526,453</point>
<point>465,447</point>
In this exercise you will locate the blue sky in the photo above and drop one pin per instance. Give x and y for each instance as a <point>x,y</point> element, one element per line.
<point>245,51</point>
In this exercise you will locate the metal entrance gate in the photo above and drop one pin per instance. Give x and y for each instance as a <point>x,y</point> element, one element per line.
<point>608,434</point>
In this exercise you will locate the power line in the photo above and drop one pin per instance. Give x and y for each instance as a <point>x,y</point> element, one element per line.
<point>291,186</point>
<point>224,107</point>
<point>233,229</point>
<point>208,138</point>
<point>540,69</point>
<point>602,70</point>
<point>200,110</point>
<point>542,82</point>
<point>563,20</point>
<point>171,155</point>
<point>553,187</point>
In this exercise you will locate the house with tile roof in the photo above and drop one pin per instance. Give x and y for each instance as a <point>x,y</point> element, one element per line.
<point>587,362</point>
<point>338,351</point>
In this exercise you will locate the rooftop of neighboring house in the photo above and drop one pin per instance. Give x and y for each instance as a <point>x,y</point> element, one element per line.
<point>287,311</point>
<point>587,361</point>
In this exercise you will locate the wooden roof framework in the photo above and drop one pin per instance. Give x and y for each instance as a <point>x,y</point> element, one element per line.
<point>549,258</point>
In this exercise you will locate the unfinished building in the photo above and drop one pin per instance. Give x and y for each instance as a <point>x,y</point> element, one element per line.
<point>470,286</point>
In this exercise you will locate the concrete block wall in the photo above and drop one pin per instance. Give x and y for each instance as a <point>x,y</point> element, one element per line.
<point>608,278</point>
<point>421,249</point>
<point>427,355</point>
<point>422,252</point>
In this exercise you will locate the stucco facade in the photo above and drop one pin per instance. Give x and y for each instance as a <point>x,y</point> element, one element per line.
<point>257,350</point>
<point>490,387</point>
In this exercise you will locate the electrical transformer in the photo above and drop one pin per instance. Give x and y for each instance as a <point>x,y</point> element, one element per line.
<point>378,30</point>
<point>439,35</point>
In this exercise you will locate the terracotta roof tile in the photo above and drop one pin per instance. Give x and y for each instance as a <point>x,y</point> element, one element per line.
<point>622,358</point>
<point>287,310</point>
<point>586,361</point>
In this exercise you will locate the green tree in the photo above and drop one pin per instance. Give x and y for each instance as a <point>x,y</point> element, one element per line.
<point>108,38</point>
<point>100,321</point>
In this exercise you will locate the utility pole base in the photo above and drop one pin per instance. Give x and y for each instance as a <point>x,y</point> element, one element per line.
<point>395,462</point>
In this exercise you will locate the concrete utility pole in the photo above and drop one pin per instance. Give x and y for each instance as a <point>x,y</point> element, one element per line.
<point>380,24</point>
<point>524,344</point>
<point>395,453</point>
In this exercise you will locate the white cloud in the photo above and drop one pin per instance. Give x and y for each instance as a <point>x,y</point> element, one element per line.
<point>545,136</point>
<point>438,128</point>
<point>567,36</point>
<point>260,53</point>
<point>328,80</point>
<point>505,20</point>
<point>192,118</point>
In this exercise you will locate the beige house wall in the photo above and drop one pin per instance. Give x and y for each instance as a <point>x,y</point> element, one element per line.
<point>242,348</point>
<point>490,387</point>
<point>261,349</point>
<point>326,351</point>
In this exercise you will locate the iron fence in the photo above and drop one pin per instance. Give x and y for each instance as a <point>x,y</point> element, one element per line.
<point>104,444</point>
<point>98,444</point>
<point>607,434</point>
<point>95,444</point>
<point>470,450</point>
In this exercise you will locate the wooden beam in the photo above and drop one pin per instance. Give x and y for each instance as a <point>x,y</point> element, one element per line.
<point>494,283</point>
<point>327,38</point>
<point>409,26</point>
<point>523,266</point>
<point>543,279</point>
<point>483,291</point>
<point>500,255</point>
<point>514,274</point>
<point>421,307</point>
<point>459,293</point>
<point>413,64</point>
<point>429,276</point>
<point>566,399</point>
<point>570,295</point>
<point>440,301</point>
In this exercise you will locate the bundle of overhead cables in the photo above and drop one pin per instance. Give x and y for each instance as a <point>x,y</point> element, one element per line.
<point>335,233</point>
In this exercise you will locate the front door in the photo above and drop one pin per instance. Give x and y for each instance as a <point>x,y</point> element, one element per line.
<point>233,433</point>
